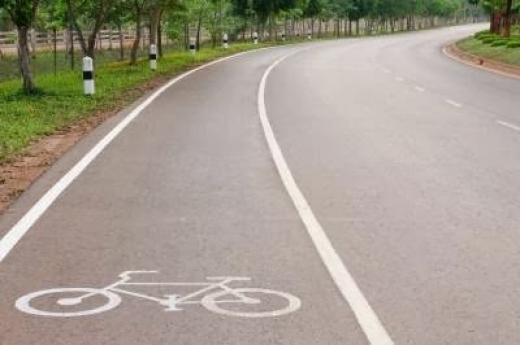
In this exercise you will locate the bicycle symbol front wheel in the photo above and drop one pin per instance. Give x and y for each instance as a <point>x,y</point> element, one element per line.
<point>211,302</point>
<point>111,300</point>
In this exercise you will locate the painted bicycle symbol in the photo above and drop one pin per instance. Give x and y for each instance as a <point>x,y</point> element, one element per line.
<point>215,295</point>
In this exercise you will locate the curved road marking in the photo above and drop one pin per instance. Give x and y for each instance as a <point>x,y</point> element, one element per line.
<point>15,234</point>
<point>481,67</point>
<point>367,318</point>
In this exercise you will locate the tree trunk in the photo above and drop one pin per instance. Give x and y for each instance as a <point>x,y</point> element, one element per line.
<point>186,35</point>
<point>271,26</point>
<point>507,24</point>
<point>25,60</point>
<point>199,28</point>
<point>121,43</point>
<point>159,39</point>
<point>155,19</point>
<point>496,18</point>
<point>74,22</point>
<point>137,40</point>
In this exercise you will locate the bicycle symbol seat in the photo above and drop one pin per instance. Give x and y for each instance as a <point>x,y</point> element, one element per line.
<point>215,295</point>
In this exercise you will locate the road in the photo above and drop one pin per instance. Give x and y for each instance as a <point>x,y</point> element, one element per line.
<point>382,208</point>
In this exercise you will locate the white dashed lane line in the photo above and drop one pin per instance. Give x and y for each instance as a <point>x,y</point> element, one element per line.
<point>455,104</point>
<point>508,125</point>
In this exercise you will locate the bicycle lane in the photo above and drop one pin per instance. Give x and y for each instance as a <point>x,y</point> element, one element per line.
<point>188,189</point>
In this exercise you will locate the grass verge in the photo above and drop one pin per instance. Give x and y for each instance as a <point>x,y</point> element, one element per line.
<point>61,102</point>
<point>485,50</point>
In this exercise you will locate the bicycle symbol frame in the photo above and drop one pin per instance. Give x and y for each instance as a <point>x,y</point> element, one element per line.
<point>211,295</point>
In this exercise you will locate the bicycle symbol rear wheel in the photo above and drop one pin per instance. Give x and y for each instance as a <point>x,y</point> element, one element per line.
<point>211,303</point>
<point>112,300</point>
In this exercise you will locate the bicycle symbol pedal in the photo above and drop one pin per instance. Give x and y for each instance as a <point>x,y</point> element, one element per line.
<point>215,295</point>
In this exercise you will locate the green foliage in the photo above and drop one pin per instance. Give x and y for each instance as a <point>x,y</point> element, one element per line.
<point>22,12</point>
<point>314,8</point>
<point>513,44</point>
<point>501,53</point>
<point>488,40</point>
<point>24,118</point>
<point>499,42</point>
<point>482,33</point>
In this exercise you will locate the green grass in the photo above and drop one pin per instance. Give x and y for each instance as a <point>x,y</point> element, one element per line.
<point>61,101</point>
<point>43,62</point>
<point>498,53</point>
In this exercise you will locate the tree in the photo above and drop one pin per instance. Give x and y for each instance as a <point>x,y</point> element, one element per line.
<point>268,9</point>
<point>137,7</point>
<point>313,9</point>
<point>23,15</point>
<point>94,13</point>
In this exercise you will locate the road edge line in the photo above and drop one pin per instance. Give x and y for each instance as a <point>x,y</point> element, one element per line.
<point>474,65</point>
<point>365,315</point>
<point>22,227</point>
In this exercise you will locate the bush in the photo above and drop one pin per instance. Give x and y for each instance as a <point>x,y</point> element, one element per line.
<point>482,33</point>
<point>513,44</point>
<point>484,36</point>
<point>488,40</point>
<point>499,42</point>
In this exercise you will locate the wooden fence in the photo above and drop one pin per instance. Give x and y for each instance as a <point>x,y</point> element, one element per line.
<point>44,41</point>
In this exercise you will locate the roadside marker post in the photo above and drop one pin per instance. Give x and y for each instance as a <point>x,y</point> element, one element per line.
<point>283,36</point>
<point>309,35</point>
<point>88,75</point>
<point>255,37</point>
<point>153,57</point>
<point>192,47</point>
<point>225,41</point>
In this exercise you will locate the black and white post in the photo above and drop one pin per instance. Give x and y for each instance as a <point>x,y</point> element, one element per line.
<point>192,46</point>
<point>153,57</point>
<point>225,43</point>
<point>283,36</point>
<point>255,37</point>
<point>88,75</point>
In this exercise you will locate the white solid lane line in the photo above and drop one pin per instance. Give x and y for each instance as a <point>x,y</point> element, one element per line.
<point>15,234</point>
<point>509,125</point>
<point>419,89</point>
<point>455,104</point>
<point>365,315</point>
<point>399,79</point>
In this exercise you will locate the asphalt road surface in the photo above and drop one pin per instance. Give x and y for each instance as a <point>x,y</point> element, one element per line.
<point>369,188</point>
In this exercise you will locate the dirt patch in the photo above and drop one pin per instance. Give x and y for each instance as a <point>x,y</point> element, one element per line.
<point>494,66</point>
<point>21,171</point>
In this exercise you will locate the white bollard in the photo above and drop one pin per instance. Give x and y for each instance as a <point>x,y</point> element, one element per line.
<point>88,75</point>
<point>153,57</point>
<point>225,41</point>
<point>192,47</point>
<point>283,36</point>
<point>309,35</point>
<point>255,37</point>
